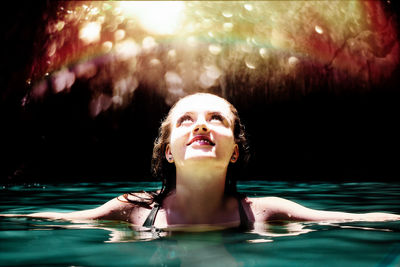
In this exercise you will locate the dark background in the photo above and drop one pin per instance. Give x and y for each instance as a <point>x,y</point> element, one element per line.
<point>322,135</point>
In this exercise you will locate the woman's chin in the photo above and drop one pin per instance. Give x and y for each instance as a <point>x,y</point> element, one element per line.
<point>200,156</point>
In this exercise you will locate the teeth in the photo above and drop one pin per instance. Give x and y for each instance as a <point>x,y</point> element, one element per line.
<point>203,141</point>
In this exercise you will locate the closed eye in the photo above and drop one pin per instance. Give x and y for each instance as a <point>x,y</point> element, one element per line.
<point>217,117</point>
<point>185,119</point>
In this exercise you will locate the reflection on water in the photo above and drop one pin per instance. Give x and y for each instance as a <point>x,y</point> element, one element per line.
<point>223,247</point>
<point>119,231</point>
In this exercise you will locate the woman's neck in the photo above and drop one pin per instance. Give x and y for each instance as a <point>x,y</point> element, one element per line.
<point>199,195</point>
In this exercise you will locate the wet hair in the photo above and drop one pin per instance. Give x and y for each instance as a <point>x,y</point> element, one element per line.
<point>165,171</point>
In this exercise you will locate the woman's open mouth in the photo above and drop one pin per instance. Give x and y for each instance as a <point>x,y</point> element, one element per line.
<point>201,140</point>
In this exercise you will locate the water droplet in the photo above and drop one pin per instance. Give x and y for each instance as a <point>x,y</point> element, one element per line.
<point>101,19</point>
<point>207,23</point>
<point>191,41</point>
<point>106,46</point>
<point>154,62</point>
<point>119,19</point>
<point>149,43</point>
<point>213,72</point>
<point>206,81</point>
<point>174,81</point>
<point>248,7</point>
<point>51,50</point>
<point>263,52</point>
<point>24,101</point>
<point>94,11</point>
<point>90,32</point>
<point>117,11</point>
<point>250,63</point>
<point>228,26</point>
<point>62,80</point>
<point>119,35</point>
<point>214,49</point>
<point>293,61</point>
<point>106,6</point>
<point>227,14</point>
<point>117,100</point>
<point>126,49</point>
<point>246,48</point>
<point>172,54</point>
<point>60,25</point>
<point>319,30</point>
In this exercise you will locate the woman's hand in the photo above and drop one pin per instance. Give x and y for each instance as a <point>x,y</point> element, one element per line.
<point>379,216</point>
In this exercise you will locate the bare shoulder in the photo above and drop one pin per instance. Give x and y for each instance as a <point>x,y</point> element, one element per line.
<point>119,208</point>
<point>138,204</point>
<point>137,197</point>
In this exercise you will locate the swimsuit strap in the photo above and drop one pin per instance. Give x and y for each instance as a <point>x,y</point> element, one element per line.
<point>244,220</point>
<point>152,216</point>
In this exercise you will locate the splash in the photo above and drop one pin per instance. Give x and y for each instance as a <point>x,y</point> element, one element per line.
<point>181,47</point>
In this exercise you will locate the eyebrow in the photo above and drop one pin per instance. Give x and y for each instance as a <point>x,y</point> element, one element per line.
<point>188,113</point>
<point>208,112</point>
<point>191,113</point>
<point>225,118</point>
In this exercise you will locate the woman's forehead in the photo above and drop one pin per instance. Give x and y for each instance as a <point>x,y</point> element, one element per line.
<point>202,103</point>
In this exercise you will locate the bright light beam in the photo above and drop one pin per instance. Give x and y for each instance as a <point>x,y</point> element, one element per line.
<point>157,17</point>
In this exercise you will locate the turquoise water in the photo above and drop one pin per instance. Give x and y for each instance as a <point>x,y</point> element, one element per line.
<point>33,242</point>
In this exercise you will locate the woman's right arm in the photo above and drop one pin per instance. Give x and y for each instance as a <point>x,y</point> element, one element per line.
<point>275,208</point>
<point>114,209</point>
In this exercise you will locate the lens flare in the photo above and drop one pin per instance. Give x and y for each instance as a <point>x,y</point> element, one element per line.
<point>160,17</point>
<point>181,46</point>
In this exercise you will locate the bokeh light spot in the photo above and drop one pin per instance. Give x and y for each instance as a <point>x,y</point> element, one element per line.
<point>149,43</point>
<point>127,49</point>
<point>119,35</point>
<point>90,32</point>
<point>106,46</point>
<point>293,61</point>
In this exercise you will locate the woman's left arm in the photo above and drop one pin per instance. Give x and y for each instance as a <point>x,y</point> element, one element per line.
<point>275,208</point>
<point>111,210</point>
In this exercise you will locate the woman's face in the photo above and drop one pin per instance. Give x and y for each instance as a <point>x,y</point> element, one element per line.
<point>202,131</point>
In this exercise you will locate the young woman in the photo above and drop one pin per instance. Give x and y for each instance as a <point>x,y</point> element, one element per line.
<point>200,143</point>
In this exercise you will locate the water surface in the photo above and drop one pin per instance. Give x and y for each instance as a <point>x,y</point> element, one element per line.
<point>34,242</point>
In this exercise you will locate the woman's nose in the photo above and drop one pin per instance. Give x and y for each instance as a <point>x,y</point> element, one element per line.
<point>200,127</point>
